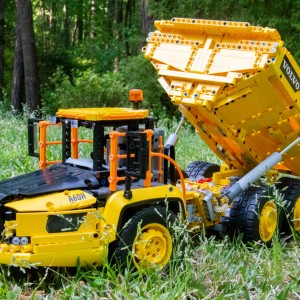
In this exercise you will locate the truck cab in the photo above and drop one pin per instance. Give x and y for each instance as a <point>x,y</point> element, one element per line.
<point>77,209</point>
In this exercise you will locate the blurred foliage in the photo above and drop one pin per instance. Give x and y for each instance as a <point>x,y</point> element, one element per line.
<point>83,89</point>
<point>89,52</point>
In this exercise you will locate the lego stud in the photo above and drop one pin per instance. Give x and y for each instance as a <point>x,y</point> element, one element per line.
<point>50,206</point>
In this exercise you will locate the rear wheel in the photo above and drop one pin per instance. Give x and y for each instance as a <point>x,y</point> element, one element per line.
<point>290,188</point>
<point>200,169</point>
<point>254,214</point>
<point>146,239</point>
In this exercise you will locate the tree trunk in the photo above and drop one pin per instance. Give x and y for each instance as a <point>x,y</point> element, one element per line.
<point>92,20</point>
<point>53,24</point>
<point>118,19</point>
<point>79,21</point>
<point>43,26</point>
<point>127,23</point>
<point>110,15</point>
<point>17,91</point>
<point>66,24</point>
<point>2,50</point>
<point>145,19</point>
<point>33,98</point>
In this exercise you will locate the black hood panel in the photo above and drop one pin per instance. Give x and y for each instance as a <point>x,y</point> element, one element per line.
<point>53,179</point>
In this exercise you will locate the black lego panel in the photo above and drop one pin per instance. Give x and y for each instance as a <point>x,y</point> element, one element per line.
<point>56,178</point>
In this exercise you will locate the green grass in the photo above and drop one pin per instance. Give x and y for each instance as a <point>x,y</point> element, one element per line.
<point>189,146</point>
<point>206,268</point>
<point>13,142</point>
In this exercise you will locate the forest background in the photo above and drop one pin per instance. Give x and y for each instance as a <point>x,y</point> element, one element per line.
<point>63,53</point>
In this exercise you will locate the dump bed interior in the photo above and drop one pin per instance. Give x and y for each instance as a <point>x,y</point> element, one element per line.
<point>235,83</point>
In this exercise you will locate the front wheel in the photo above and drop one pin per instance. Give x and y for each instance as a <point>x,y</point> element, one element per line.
<point>146,239</point>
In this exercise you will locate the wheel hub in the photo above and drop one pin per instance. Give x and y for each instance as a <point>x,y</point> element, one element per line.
<point>153,246</point>
<point>268,221</point>
<point>296,215</point>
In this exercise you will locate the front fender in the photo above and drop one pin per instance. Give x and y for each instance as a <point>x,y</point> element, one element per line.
<point>117,204</point>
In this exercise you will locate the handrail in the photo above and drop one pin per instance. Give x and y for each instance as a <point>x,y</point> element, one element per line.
<point>43,143</point>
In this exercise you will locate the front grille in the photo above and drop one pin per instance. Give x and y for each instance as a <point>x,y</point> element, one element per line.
<point>64,222</point>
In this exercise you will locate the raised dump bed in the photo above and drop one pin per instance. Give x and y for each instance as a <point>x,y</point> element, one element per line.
<point>235,83</point>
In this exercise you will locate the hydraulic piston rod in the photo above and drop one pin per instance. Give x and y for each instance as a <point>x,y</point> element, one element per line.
<point>247,180</point>
<point>173,137</point>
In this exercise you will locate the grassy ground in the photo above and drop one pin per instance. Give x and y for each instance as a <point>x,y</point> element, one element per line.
<point>206,268</point>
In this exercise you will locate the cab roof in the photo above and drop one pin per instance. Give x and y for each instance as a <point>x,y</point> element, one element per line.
<point>103,113</point>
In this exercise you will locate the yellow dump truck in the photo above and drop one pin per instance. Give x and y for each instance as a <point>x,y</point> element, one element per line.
<point>238,87</point>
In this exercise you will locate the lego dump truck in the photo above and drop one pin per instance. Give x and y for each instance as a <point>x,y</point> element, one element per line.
<point>238,87</point>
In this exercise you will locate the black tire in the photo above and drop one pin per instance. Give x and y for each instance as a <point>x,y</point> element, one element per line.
<point>201,169</point>
<point>146,239</point>
<point>1,223</point>
<point>254,215</point>
<point>290,189</point>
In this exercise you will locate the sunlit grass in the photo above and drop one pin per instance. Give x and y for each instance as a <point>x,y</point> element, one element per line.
<point>189,147</point>
<point>14,159</point>
<point>208,268</point>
